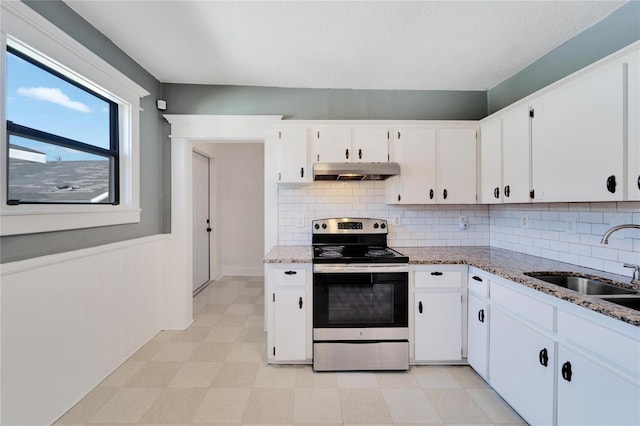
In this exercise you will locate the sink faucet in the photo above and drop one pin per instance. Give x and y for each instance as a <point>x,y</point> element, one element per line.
<point>635,278</point>
<point>605,237</point>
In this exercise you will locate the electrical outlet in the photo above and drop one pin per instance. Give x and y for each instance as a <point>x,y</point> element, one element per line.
<point>463,219</point>
<point>300,221</point>
<point>395,219</point>
<point>570,225</point>
<point>524,221</point>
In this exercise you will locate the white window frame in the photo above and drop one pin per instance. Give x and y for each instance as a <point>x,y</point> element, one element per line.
<point>27,31</point>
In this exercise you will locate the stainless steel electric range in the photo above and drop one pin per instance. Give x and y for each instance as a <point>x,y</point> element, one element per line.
<point>360,297</point>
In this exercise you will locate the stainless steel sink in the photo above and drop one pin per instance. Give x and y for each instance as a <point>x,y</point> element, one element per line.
<point>632,302</point>
<point>582,285</point>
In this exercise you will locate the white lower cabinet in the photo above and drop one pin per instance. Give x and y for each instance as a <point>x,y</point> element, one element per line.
<point>288,313</point>
<point>439,313</point>
<point>591,394</point>
<point>478,332</point>
<point>522,367</point>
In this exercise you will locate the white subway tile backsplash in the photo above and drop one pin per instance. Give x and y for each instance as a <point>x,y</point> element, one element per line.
<point>548,235</point>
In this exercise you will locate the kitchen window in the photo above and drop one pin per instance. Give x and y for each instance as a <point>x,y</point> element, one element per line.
<point>69,146</point>
<point>62,137</point>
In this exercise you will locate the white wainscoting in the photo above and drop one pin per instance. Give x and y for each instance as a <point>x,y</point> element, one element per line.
<point>68,320</point>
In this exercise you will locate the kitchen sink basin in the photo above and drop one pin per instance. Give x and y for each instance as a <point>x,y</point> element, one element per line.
<point>632,302</point>
<point>582,285</point>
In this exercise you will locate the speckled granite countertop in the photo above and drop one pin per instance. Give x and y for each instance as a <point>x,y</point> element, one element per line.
<point>503,263</point>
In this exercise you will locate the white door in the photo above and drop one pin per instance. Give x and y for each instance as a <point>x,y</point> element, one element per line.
<point>290,327</point>
<point>201,222</point>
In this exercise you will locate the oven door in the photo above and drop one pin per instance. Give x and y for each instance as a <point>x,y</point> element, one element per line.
<point>360,296</point>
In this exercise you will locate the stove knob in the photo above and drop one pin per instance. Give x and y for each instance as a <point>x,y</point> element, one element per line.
<point>324,226</point>
<point>383,226</point>
<point>375,225</point>
<point>316,226</point>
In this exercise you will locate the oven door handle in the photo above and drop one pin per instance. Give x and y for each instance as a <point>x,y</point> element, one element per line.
<point>368,268</point>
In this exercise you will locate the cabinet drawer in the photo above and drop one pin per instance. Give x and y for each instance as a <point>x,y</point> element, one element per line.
<point>288,276</point>
<point>438,278</point>
<point>610,347</point>
<point>528,309</point>
<point>478,284</point>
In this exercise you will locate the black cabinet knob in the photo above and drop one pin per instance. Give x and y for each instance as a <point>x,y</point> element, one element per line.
<point>300,303</point>
<point>476,278</point>
<point>507,191</point>
<point>301,172</point>
<point>346,153</point>
<point>566,371</point>
<point>436,273</point>
<point>420,307</point>
<point>290,272</point>
<point>360,154</point>
<point>431,194</point>
<point>496,193</point>
<point>543,357</point>
<point>444,194</point>
<point>611,184</point>
<point>481,315</point>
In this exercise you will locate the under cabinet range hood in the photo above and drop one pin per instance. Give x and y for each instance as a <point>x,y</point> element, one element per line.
<point>355,171</point>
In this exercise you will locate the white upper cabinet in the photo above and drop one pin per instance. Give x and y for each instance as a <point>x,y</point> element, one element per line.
<point>415,150</point>
<point>504,157</point>
<point>633,119</point>
<point>333,145</point>
<point>293,156</point>
<point>370,144</point>
<point>437,165</point>
<point>347,144</point>
<point>491,161</point>
<point>578,139</point>
<point>457,166</point>
<point>516,158</point>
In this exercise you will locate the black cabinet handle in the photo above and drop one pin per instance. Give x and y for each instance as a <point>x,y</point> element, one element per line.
<point>496,193</point>
<point>300,302</point>
<point>543,357</point>
<point>431,191</point>
<point>346,153</point>
<point>290,272</point>
<point>611,184</point>
<point>507,191</point>
<point>360,154</point>
<point>638,181</point>
<point>477,278</point>
<point>481,315</point>
<point>301,172</point>
<point>436,273</point>
<point>399,197</point>
<point>566,371</point>
<point>420,307</point>
<point>444,194</point>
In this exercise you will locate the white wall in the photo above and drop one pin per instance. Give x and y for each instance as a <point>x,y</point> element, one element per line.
<point>69,319</point>
<point>420,225</point>
<point>546,234</point>
<point>240,168</point>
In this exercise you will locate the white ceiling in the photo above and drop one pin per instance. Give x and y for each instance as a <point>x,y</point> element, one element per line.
<point>413,45</point>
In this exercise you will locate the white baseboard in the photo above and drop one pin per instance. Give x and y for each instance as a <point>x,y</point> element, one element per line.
<point>243,271</point>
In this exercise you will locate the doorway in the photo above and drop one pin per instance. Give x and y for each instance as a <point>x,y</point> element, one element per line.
<point>201,222</point>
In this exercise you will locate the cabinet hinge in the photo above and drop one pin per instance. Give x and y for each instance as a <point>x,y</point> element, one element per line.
<point>532,194</point>
<point>274,297</point>
<point>398,135</point>
<point>388,157</point>
<point>279,176</point>
<point>318,134</point>
<point>387,135</point>
<point>531,113</point>
<point>318,157</point>
<point>279,135</point>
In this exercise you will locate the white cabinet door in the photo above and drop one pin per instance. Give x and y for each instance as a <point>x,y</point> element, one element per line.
<point>478,335</point>
<point>577,139</point>
<point>438,326</point>
<point>491,161</point>
<point>516,364</point>
<point>456,166</point>
<point>290,325</point>
<point>416,152</point>
<point>633,120</point>
<point>370,145</point>
<point>333,145</point>
<point>594,395</point>
<point>294,161</point>
<point>516,157</point>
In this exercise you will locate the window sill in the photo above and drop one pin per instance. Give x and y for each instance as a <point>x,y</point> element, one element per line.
<point>34,221</point>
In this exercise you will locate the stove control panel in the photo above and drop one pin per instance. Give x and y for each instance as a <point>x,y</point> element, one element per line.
<point>347,225</point>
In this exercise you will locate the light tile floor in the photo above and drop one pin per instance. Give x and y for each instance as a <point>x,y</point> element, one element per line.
<point>216,373</point>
